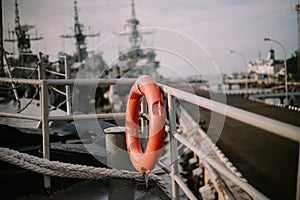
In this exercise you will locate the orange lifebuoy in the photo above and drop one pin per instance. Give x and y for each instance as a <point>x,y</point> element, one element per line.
<point>145,162</point>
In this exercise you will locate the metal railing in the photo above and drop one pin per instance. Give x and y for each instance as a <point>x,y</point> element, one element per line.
<point>41,69</point>
<point>279,128</point>
<point>274,126</point>
<point>45,118</point>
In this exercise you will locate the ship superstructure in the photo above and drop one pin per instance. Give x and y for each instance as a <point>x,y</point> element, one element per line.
<point>267,70</point>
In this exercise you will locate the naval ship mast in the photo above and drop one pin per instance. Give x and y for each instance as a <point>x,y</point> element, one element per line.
<point>133,62</point>
<point>136,53</point>
<point>133,23</point>
<point>23,37</point>
<point>135,36</point>
<point>80,37</point>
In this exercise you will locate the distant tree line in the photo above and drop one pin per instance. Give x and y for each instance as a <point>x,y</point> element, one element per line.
<point>292,67</point>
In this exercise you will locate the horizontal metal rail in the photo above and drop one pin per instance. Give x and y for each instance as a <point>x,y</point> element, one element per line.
<point>274,126</point>
<point>90,81</point>
<point>69,81</point>
<point>20,81</point>
<point>20,116</point>
<point>107,116</point>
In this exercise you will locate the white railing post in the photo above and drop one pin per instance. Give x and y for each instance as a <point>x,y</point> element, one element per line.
<point>41,67</point>
<point>68,90</point>
<point>40,77</point>
<point>173,147</point>
<point>44,123</point>
<point>45,127</point>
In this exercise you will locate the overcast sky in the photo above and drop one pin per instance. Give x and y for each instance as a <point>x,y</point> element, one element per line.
<point>218,26</point>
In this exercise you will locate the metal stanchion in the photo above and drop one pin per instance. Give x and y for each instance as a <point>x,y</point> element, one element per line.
<point>68,90</point>
<point>173,147</point>
<point>45,129</point>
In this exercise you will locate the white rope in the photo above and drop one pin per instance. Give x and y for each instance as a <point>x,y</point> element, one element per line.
<point>68,170</point>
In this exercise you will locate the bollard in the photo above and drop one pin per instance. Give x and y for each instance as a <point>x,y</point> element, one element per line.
<point>117,157</point>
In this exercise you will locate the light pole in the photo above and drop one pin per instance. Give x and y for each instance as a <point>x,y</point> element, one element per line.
<point>285,68</point>
<point>244,58</point>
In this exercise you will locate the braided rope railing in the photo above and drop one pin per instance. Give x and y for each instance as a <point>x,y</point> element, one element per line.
<point>68,170</point>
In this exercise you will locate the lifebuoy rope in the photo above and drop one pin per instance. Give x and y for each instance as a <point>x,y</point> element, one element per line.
<point>68,170</point>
